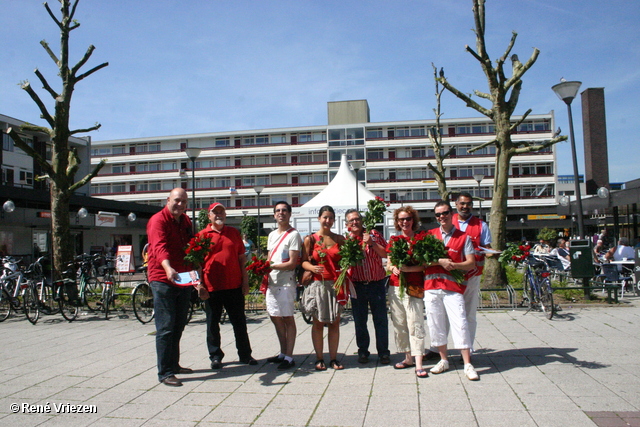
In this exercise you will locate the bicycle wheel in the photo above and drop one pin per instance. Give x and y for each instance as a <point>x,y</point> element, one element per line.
<point>142,301</point>
<point>107,300</point>
<point>527,294</point>
<point>546,299</point>
<point>92,294</point>
<point>68,310</point>
<point>5,305</point>
<point>48,305</point>
<point>30,304</point>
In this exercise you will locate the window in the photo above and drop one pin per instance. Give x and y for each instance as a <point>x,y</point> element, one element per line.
<point>279,179</point>
<point>118,169</point>
<point>26,177</point>
<point>155,186</point>
<point>248,140</point>
<point>319,136</point>
<point>262,139</point>
<point>168,166</point>
<point>154,146</point>
<point>375,154</point>
<point>418,153</point>
<point>336,134</point>
<point>118,188</point>
<point>7,142</point>
<point>278,160</point>
<point>374,133</point>
<point>248,161</point>
<point>355,133</point>
<point>278,139</point>
<point>142,186</point>
<point>222,142</point>
<point>154,167</point>
<point>104,189</point>
<point>375,175</point>
<point>463,129</point>
<point>417,131</point>
<point>223,162</point>
<point>222,182</point>
<point>119,149</point>
<point>262,160</point>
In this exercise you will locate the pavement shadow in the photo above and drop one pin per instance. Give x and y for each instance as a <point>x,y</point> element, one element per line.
<point>504,360</point>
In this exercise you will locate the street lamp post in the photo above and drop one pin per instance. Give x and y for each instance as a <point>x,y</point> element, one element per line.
<point>258,189</point>
<point>357,165</point>
<point>192,154</point>
<point>479,177</point>
<point>567,91</point>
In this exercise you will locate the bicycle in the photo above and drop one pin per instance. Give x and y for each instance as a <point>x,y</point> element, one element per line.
<point>79,291</point>
<point>21,284</point>
<point>537,292</point>
<point>142,299</point>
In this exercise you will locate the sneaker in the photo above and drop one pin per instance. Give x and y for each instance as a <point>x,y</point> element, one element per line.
<point>470,372</point>
<point>275,359</point>
<point>443,365</point>
<point>285,364</point>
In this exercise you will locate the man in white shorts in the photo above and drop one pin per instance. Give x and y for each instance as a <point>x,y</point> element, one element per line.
<point>284,247</point>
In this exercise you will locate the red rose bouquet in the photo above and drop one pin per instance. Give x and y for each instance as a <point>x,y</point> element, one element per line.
<point>351,254</point>
<point>197,250</point>
<point>375,213</point>
<point>428,249</point>
<point>400,254</point>
<point>257,268</point>
<point>514,253</point>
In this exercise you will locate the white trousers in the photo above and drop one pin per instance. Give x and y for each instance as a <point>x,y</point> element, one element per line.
<point>447,308</point>
<point>407,316</point>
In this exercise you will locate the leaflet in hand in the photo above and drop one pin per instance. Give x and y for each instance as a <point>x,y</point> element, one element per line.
<point>488,250</point>
<point>188,278</point>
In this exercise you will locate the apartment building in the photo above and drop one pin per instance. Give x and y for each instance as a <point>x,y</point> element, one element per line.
<point>295,164</point>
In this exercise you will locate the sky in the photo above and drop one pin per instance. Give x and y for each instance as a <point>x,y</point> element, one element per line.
<point>181,67</point>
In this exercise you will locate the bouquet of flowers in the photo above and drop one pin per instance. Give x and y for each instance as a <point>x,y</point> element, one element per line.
<point>514,252</point>
<point>351,254</point>
<point>400,253</point>
<point>257,268</point>
<point>197,250</point>
<point>428,249</point>
<point>375,213</point>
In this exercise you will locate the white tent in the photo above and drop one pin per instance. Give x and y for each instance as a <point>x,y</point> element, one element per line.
<point>340,194</point>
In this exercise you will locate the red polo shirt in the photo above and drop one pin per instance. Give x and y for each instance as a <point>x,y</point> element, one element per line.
<point>222,268</point>
<point>167,240</point>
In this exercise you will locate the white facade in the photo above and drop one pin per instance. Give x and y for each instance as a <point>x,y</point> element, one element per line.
<point>295,164</point>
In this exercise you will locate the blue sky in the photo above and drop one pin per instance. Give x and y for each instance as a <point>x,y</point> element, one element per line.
<point>181,67</point>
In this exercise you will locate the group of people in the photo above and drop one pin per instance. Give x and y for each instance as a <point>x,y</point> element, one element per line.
<point>450,306</point>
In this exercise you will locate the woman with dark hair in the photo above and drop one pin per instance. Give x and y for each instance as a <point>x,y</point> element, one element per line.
<point>407,312</point>
<point>320,257</point>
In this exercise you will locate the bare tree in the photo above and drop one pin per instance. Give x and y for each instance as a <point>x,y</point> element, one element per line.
<point>435,139</point>
<point>65,161</point>
<point>503,94</point>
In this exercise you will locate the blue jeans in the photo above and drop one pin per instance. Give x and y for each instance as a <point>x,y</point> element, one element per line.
<point>171,306</point>
<point>371,295</point>
<point>233,301</point>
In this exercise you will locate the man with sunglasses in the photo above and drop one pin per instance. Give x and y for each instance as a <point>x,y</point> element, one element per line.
<point>444,300</point>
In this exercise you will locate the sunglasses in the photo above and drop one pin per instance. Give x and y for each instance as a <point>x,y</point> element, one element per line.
<point>445,213</point>
<point>405,219</point>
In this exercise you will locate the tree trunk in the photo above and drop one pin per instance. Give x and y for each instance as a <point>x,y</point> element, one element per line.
<point>61,238</point>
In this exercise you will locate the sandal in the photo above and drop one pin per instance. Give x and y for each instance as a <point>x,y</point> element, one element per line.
<point>403,365</point>
<point>320,366</point>
<point>336,365</point>
<point>421,373</point>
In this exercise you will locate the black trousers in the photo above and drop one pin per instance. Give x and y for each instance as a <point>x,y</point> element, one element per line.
<point>233,301</point>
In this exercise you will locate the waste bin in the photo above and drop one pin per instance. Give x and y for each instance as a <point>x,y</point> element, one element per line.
<point>581,254</point>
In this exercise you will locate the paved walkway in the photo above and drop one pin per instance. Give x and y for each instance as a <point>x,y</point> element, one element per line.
<point>581,369</point>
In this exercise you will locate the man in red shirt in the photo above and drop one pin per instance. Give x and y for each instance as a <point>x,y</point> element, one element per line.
<point>369,280</point>
<point>225,279</point>
<point>169,232</point>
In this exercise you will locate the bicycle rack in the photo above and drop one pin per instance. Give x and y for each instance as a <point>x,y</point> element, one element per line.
<point>512,296</point>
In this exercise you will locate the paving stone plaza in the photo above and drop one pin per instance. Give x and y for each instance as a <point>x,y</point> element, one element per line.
<point>579,369</point>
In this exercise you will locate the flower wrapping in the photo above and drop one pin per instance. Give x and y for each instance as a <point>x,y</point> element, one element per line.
<point>197,250</point>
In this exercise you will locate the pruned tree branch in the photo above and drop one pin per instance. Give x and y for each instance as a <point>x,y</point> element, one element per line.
<point>91,71</point>
<point>520,121</point>
<point>484,144</point>
<point>58,23</point>
<point>45,84</point>
<point>19,142</point>
<point>87,130</point>
<point>88,177</point>
<point>539,145</point>
<point>43,109</point>
<point>53,56</point>
<point>84,59</point>
<point>470,103</point>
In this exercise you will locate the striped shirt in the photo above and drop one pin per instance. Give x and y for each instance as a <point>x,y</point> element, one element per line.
<point>371,269</point>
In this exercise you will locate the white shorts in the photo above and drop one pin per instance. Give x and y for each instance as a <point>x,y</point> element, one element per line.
<point>280,300</point>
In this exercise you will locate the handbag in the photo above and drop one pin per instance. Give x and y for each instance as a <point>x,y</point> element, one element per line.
<point>303,276</point>
<point>416,291</point>
<point>264,285</point>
